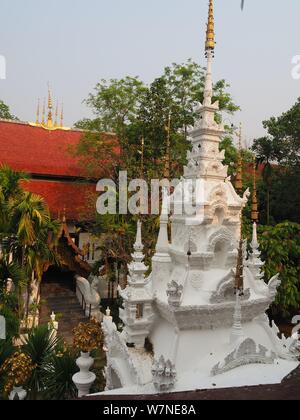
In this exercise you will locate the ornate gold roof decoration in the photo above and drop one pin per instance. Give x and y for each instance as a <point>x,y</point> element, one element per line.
<point>210,33</point>
<point>49,124</point>
<point>239,171</point>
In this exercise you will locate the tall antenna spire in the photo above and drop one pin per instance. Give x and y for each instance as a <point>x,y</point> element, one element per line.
<point>50,106</point>
<point>239,172</point>
<point>254,212</point>
<point>38,113</point>
<point>210,33</point>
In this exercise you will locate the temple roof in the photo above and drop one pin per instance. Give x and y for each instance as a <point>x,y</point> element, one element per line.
<point>39,151</point>
<point>74,198</point>
<point>56,174</point>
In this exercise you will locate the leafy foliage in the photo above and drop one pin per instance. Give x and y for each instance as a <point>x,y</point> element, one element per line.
<point>58,372</point>
<point>280,246</point>
<point>40,346</point>
<point>5,113</point>
<point>25,227</point>
<point>134,110</point>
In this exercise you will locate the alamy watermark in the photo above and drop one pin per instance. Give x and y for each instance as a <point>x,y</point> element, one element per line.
<point>296,67</point>
<point>2,67</point>
<point>185,196</point>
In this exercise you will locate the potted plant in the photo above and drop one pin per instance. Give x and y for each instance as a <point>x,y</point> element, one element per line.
<point>17,370</point>
<point>87,337</point>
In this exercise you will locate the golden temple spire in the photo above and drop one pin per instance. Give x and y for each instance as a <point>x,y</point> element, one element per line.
<point>239,172</point>
<point>62,115</point>
<point>56,116</point>
<point>50,106</point>
<point>44,113</point>
<point>52,120</point>
<point>38,113</point>
<point>254,210</point>
<point>210,32</point>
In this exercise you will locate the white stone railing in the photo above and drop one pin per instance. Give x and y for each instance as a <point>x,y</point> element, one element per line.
<point>88,298</point>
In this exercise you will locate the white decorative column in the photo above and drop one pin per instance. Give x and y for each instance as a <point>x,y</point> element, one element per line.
<point>53,326</point>
<point>18,393</point>
<point>84,379</point>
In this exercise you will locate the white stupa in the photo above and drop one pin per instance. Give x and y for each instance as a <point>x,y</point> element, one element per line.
<point>203,335</point>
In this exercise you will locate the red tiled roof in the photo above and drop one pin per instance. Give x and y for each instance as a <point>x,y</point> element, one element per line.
<point>74,198</point>
<point>39,151</point>
<point>47,153</point>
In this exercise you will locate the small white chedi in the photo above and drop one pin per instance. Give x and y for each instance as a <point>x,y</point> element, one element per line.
<point>202,335</point>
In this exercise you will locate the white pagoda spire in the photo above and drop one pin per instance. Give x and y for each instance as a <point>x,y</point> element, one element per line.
<point>255,264</point>
<point>206,160</point>
<point>137,313</point>
<point>209,51</point>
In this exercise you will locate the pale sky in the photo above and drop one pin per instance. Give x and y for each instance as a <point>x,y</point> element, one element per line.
<point>74,43</point>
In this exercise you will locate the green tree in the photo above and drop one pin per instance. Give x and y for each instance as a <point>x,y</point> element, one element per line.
<point>133,110</point>
<point>285,136</point>
<point>25,227</point>
<point>5,113</point>
<point>279,153</point>
<point>280,246</point>
<point>265,153</point>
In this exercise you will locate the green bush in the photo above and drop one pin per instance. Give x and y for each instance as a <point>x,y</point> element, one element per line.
<point>57,376</point>
<point>280,246</point>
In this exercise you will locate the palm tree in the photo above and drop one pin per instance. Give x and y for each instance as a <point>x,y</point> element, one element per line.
<point>25,227</point>
<point>33,226</point>
<point>10,194</point>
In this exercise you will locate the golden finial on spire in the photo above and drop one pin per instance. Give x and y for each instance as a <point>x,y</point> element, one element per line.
<point>56,116</point>
<point>38,113</point>
<point>62,115</point>
<point>210,32</point>
<point>50,121</point>
<point>239,171</point>
<point>44,113</point>
<point>254,210</point>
